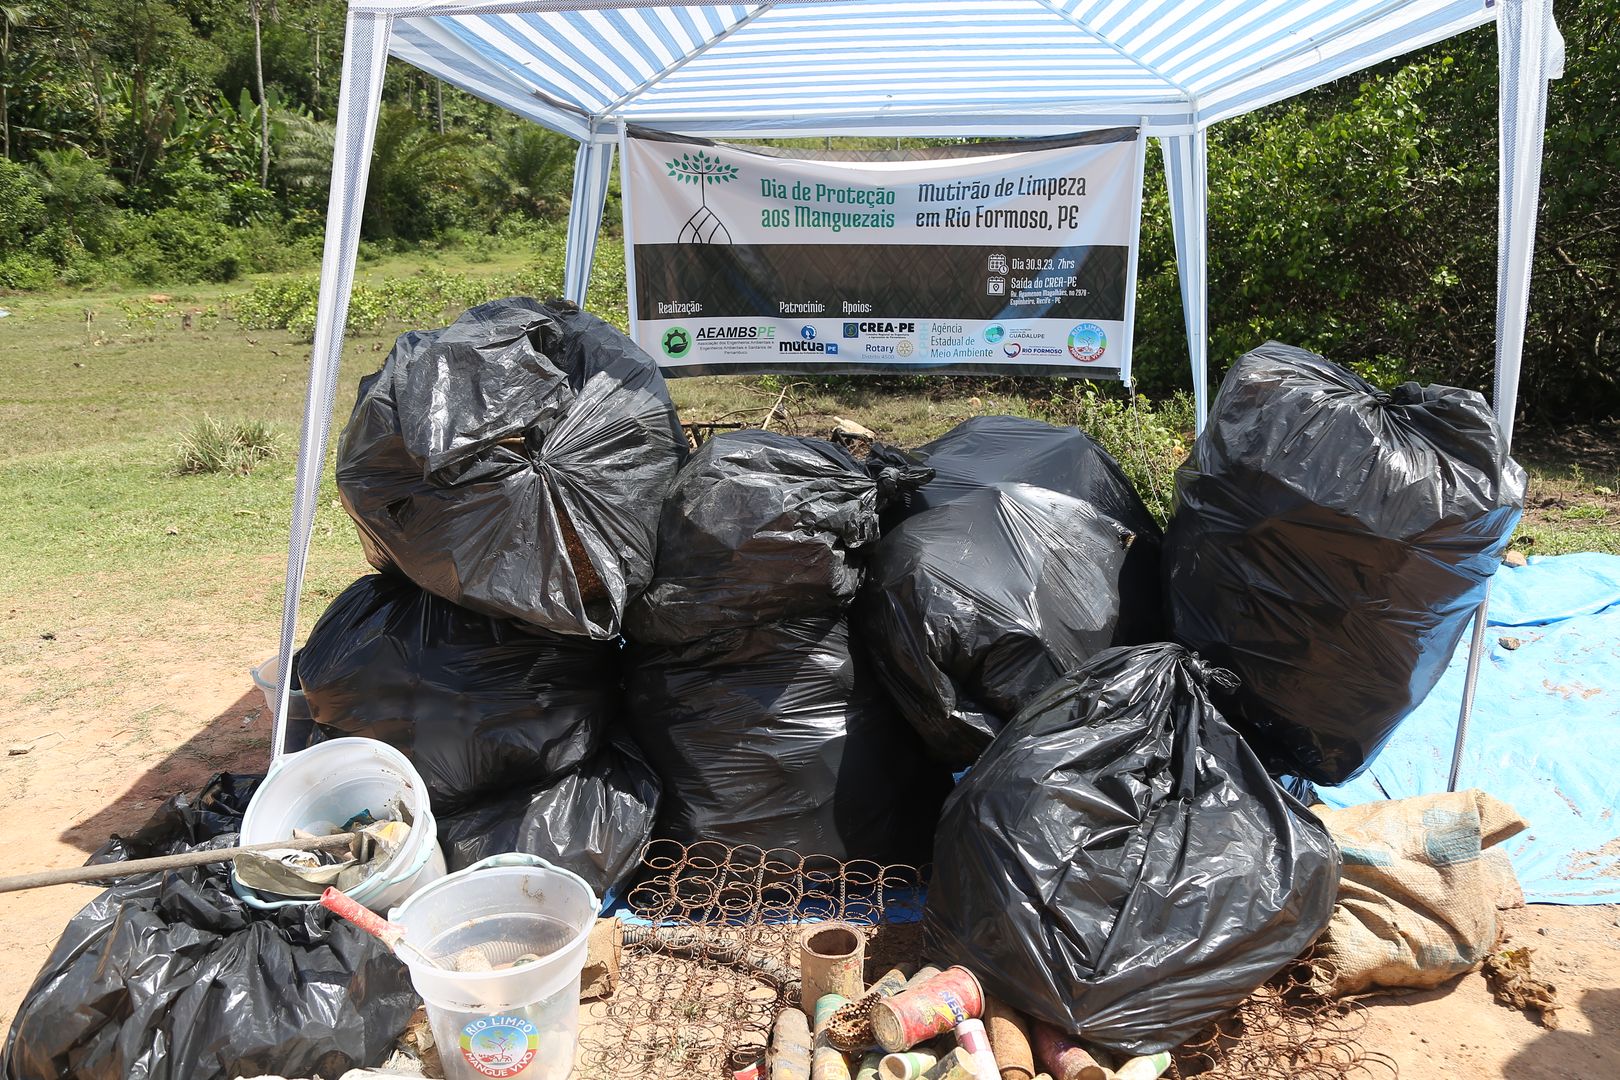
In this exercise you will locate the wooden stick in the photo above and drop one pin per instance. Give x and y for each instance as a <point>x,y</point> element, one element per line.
<point>108,871</point>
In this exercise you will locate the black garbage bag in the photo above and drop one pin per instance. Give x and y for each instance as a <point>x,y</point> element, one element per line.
<point>776,736</point>
<point>1329,545</point>
<point>974,607</point>
<point>1118,863</point>
<point>988,450</point>
<point>478,704</point>
<point>515,462</point>
<point>185,821</point>
<point>172,977</point>
<point>762,527</point>
<point>595,820</point>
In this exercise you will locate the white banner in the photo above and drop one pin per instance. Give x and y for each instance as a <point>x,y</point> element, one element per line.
<point>1013,258</point>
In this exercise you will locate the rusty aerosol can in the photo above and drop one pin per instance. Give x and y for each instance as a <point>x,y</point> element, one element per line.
<point>1064,1057</point>
<point>927,1009</point>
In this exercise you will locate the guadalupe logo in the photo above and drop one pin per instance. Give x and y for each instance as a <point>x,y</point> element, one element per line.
<point>500,1045</point>
<point>676,342</point>
<point>1087,342</point>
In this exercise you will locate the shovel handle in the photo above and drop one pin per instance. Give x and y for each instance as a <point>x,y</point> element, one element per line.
<point>346,906</point>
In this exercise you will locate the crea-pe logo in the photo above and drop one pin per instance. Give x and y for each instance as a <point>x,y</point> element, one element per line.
<point>500,1045</point>
<point>677,342</point>
<point>1087,342</point>
<point>852,329</point>
<point>994,333</point>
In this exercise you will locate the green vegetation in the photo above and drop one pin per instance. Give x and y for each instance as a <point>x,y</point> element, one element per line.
<point>214,446</point>
<point>162,143</point>
<point>103,521</point>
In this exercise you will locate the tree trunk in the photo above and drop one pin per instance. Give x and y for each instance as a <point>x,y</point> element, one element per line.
<point>438,103</point>
<point>315,104</point>
<point>5,99</point>
<point>264,106</point>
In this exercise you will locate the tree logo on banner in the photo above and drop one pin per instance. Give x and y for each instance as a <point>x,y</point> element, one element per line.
<point>704,226</point>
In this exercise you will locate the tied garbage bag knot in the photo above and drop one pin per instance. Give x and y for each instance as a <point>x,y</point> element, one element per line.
<point>514,463</point>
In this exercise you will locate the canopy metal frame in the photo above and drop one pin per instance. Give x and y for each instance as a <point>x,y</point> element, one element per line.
<point>487,48</point>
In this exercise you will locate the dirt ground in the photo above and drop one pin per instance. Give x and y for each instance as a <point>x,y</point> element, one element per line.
<point>171,709</point>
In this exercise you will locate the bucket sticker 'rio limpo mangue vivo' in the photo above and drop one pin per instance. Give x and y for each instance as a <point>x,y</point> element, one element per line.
<point>500,1045</point>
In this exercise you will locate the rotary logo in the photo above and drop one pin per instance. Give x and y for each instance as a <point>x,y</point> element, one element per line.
<point>499,1045</point>
<point>1087,343</point>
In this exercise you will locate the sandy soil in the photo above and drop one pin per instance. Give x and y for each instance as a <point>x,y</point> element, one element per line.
<point>170,710</point>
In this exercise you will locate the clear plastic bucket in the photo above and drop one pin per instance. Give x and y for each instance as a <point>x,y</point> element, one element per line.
<point>328,784</point>
<point>267,677</point>
<point>517,1022</point>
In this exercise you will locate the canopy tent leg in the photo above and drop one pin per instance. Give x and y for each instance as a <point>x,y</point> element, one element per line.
<point>365,53</point>
<point>593,166</point>
<point>1186,176</point>
<point>1530,54</point>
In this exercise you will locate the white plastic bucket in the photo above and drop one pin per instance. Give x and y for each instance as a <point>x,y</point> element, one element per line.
<point>327,785</point>
<point>520,1022</point>
<point>267,677</point>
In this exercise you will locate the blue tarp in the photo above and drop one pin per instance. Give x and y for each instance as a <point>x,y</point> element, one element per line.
<point>1545,735</point>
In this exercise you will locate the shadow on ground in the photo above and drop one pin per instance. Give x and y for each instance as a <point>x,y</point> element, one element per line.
<point>236,740</point>
<point>1576,1055</point>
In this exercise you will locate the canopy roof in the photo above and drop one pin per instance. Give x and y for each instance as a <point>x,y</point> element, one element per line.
<point>921,67</point>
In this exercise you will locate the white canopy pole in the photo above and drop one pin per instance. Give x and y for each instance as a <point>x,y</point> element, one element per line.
<point>1530,52</point>
<point>365,52</point>
<point>593,166</point>
<point>1186,175</point>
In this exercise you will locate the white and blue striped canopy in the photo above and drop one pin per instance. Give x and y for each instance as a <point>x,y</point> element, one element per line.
<point>921,67</point>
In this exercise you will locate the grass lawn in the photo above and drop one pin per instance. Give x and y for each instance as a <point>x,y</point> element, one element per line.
<point>100,387</point>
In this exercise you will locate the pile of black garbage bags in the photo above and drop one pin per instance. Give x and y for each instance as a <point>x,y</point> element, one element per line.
<point>983,652</point>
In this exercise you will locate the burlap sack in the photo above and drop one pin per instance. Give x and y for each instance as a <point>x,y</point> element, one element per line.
<point>1420,889</point>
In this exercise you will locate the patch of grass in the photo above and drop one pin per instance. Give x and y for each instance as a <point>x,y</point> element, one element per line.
<point>218,446</point>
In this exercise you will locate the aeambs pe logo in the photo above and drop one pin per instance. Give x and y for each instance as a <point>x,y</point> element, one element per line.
<point>676,342</point>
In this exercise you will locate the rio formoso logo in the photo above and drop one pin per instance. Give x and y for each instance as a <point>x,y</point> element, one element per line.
<point>1087,343</point>
<point>499,1045</point>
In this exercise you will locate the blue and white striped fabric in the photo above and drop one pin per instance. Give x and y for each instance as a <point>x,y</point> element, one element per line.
<point>903,66</point>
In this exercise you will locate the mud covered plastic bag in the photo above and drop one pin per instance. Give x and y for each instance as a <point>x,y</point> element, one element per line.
<point>515,462</point>
<point>479,704</point>
<point>988,450</point>
<point>172,977</point>
<point>594,821</point>
<point>1329,545</point>
<point>762,527</point>
<point>776,736</point>
<point>974,607</point>
<point>1119,865</point>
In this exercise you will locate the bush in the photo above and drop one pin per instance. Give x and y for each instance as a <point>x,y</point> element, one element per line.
<point>172,246</point>
<point>22,211</point>
<point>214,446</point>
<point>21,270</point>
<point>1150,442</point>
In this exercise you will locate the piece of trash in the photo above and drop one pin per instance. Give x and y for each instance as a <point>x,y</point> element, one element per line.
<point>1509,643</point>
<point>1515,558</point>
<point>853,430</point>
<point>49,635</point>
<point>18,750</point>
<point>172,531</point>
<point>1513,981</point>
